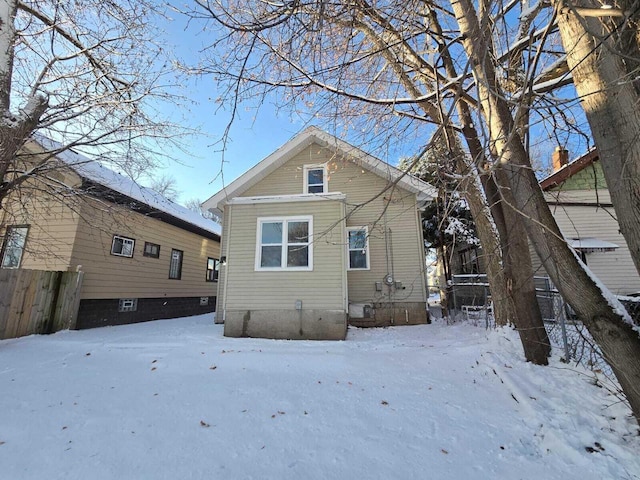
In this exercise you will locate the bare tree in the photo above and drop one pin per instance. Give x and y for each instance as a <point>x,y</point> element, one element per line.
<point>87,74</point>
<point>474,70</point>
<point>603,54</point>
<point>601,314</point>
<point>195,205</point>
<point>366,64</point>
<point>166,186</point>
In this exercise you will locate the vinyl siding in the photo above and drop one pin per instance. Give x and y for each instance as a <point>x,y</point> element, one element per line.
<point>395,209</point>
<point>321,288</point>
<point>110,276</point>
<point>52,230</point>
<point>599,196</point>
<point>590,178</point>
<point>615,269</point>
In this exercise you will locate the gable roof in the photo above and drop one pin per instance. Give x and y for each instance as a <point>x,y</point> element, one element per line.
<point>569,170</point>
<point>308,136</point>
<point>156,205</point>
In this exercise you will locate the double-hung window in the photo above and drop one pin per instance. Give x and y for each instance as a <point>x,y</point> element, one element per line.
<point>358,245</point>
<point>315,179</point>
<point>14,242</point>
<point>284,243</point>
<point>122,246</point>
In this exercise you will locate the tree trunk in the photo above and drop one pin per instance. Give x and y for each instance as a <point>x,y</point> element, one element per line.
<point>599,311</point>
<point>610,95</point>
<point>503,307</point>
<point>519,272</point>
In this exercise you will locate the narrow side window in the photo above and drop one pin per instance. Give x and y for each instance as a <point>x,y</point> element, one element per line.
<point>175,264</point>
<point>14,242</point>
<point>213,269</point>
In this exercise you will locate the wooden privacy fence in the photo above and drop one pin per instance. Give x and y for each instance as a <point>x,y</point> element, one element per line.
<point>37,301</point>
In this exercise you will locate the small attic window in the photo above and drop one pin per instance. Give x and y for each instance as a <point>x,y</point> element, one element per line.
<point>315,179</point>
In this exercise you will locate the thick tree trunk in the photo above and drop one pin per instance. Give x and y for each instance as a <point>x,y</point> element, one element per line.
<point>14,128</point>
<point>519,272</point>
<point>610,95</point>
<point>513,287</point>
<point>620,344</point>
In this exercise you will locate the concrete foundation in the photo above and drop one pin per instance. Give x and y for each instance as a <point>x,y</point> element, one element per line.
<point>386,315</point>
<point>286,324</point>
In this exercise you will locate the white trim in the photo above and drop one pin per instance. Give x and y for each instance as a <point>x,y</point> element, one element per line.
<point>325,177</point>
<point>285,220</point>
<point>125,241</point>
<point>366,248</point>
<point>311,135</point>
<point>591,245</point>
<point>309,197</point>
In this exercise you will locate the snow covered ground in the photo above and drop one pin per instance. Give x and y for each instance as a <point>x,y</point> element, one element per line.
<point>174,399</point>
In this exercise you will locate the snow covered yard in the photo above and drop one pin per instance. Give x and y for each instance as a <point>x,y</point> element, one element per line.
<point>174,399</point>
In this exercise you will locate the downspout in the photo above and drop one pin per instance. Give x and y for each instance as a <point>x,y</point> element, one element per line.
<point>389,260</point>
<point>226,266</point>
<point>345,260</point>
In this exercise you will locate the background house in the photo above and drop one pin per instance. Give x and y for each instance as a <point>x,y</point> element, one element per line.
<point>143,256</point>
<point>581,204</point>
<point>316,234</point>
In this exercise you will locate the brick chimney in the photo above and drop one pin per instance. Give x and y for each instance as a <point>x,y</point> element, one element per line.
<point>559,158</point>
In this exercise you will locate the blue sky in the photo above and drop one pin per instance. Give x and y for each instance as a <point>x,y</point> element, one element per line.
<point>255,133</point>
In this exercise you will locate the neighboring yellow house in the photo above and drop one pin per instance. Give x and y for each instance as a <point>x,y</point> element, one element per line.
<point>143,256</point>
<point>317,235</point>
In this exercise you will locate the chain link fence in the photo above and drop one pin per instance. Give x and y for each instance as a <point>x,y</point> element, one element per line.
<point>470,300</point>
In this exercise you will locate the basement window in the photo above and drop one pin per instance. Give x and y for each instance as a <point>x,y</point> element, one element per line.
<point>127,305</point>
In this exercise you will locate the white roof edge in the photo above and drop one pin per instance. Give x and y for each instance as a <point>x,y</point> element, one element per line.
<point>308,197</point>
<point>309,135</point>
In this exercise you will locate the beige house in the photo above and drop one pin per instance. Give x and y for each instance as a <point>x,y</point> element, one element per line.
<point>317,235</point>
<point>581,204</point>
<point>143,256</point>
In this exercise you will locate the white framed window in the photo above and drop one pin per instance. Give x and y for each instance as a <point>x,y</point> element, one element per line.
<point>358,247</point>
<point>122,246</point>
<point>284,243</point>
<point>14,242</point>
<point>315,179</point>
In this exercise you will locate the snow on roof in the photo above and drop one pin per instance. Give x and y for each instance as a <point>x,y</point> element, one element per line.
<point>590,245</point>
<point>94,171</point>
